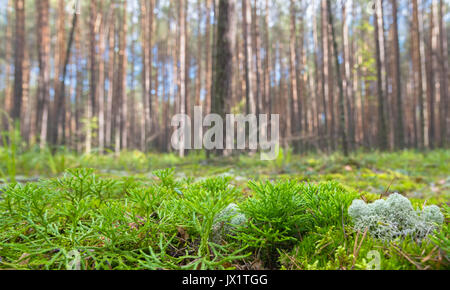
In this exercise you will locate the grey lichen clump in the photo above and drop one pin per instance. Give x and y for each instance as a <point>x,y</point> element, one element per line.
<point>226,220</point>
<point>395,217</point>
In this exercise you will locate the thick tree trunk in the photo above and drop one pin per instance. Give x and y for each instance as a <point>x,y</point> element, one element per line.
<point>224,57</point>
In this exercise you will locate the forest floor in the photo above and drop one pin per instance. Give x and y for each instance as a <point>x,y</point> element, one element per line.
<point>157,211</point>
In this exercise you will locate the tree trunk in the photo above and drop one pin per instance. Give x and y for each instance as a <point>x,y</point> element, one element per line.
<point>292,71</point>
<point>417,71</point>
<point>399,135</point>
<point>182,62</point>
<point>122,79</point>
<point>43,8</point>
<point>379,30</point>
<point>267,98</point>
<point>19,49</point>
<point>444,85</point>
<point>348,84</point>
<point>111,68</point>
<point>342,132</point>
<point>224,57</point>
<point>247,22</point>
<point>93,73</point>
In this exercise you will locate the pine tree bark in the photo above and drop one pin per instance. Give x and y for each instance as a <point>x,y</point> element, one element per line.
<point>109,119</point>
<point>224,57</point>
<point>444,80</point>
<point>325,74</point>
<point>43,7</point>
<point>249,77</point>
<point>182,62</point>
<point>379,30</point>
<point>8,100</point>
<point>208,56</point>
<point>417,71</point>
<point>399,130</point>
<point>92,74</point>
<point>19,49</point>
<point>292,69</point>
<point>122,80</point>
<point>342,130</point>
<point>267,67</point>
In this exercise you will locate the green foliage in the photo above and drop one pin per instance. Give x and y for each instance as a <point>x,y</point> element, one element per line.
<point>441,236</point>
<point>206,200</point>
<point>333,249</point>
<point>204,215</point>
<point>8,154</point>
<point>281,213</point>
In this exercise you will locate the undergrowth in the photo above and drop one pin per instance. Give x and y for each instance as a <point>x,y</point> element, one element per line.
<point>85,220</point>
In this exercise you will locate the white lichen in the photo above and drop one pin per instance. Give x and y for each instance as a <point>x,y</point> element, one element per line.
<point>226,220</point>
<point>395,217</point>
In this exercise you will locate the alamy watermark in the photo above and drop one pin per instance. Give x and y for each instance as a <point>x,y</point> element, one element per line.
<point>228,134</point>
<point>374,260</point>
<point>73,260</point>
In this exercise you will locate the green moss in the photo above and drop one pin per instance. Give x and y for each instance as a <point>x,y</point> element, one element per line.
<point>130,212</point>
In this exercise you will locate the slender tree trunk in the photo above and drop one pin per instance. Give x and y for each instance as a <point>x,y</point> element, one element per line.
<point>19,54</point>
<point>200,44</point>
<point>182,62</point>
<point>432,69</point>
<point>61,119</point>
<point>101,79</point>
<point>325,74</point>
<point>109,119</point>
<point>319,87</point>
<point>93,73</point>
<point>43,7</point>
<point>79,90</point>
<point>342,130</point>
<point>444,80</point>
<point>27,103</point>
<point>400,142</point>
<point>122,80</point>
<point>247,21</point>
<point>267,98</point>
<point>417,71</point>
<point>292,71</point>
<point>8,68</point>
<point>378,23</point>
<point>257,53</point>
<point>348,84</point>
<point>208,56</point>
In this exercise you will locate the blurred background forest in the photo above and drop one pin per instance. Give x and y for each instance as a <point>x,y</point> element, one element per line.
<point>109,75</point>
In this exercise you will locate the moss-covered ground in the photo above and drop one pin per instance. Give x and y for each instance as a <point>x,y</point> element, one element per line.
<point>154,211</point>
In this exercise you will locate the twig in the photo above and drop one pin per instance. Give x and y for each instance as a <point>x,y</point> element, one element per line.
<point>387,189</point>
<point>359,247</point>
<point>407,257</point>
